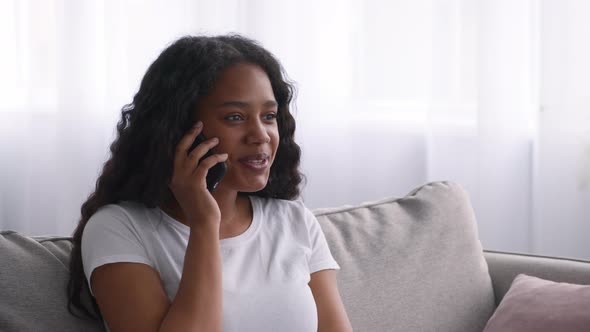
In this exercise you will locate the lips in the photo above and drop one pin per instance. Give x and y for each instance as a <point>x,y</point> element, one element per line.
<point>256,162</point>
<point>255,158</point>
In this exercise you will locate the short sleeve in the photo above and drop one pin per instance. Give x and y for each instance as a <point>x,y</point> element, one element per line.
<point>110,237</point>
<point>321,257</point>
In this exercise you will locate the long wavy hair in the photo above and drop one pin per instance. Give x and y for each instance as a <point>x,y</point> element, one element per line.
<point>142,156</point>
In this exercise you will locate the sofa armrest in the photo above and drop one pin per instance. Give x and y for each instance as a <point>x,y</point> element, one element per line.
<point>504,267</point>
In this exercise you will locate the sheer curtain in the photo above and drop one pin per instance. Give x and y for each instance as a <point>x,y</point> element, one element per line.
<point>391,94</point>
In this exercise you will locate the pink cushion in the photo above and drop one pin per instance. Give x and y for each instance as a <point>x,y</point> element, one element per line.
<point>534,304</point>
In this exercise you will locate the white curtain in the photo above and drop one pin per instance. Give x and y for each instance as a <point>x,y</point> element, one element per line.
<point>391,94</point>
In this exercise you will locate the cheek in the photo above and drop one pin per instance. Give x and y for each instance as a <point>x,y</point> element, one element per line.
<point>225,147</point>
<point>275,138</point>
<point>226,143</point>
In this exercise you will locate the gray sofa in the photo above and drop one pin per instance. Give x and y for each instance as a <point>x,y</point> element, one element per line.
<point>408,264</point>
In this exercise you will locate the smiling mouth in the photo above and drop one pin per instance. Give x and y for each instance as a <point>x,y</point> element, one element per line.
<point>256,163</point>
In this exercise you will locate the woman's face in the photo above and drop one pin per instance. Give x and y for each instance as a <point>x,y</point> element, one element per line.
<point>241,111</point>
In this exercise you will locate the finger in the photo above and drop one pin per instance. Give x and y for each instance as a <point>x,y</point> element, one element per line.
<point>207,163</point>
<point>186,141</point>
<point>200,150</point>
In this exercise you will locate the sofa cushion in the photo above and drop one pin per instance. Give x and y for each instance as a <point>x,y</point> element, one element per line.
<point>411,264</point>
<point>535,304</point>
<point>33,281</point>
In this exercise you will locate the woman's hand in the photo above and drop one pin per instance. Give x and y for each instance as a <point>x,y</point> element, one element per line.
<point>188,183</point>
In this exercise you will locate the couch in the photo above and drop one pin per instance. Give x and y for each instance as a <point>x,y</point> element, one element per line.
<point>407,264</point>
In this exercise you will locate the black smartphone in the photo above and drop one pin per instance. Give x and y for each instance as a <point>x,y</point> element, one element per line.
<point>216,172</point>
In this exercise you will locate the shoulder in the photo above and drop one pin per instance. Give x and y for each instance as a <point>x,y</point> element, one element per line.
<point>127,215</point>
<point>285,211</point>
<point>280,206</point>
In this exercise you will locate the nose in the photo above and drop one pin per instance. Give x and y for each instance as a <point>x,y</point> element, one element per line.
<point>257,132</point>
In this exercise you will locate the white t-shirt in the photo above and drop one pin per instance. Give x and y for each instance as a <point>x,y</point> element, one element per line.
<point>266,269</point>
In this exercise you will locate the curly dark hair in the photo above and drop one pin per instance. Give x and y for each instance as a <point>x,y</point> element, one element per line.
<point>142,156</point>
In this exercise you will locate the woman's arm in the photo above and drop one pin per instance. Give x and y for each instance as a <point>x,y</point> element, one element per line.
<point>131,296</point>
<point>331,313</point>
<point>198,302</point>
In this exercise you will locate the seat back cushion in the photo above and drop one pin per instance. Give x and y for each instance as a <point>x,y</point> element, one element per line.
<point>33,279</point>
<point>412,263</point>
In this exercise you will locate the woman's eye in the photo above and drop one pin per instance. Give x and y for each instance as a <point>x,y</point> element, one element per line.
<point>270,116</point>
<point>234,117</point>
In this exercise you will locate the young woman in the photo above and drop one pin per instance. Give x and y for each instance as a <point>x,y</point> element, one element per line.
<point>161,252</point>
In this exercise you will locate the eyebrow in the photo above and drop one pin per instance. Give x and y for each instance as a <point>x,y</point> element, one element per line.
<point>243,104</point>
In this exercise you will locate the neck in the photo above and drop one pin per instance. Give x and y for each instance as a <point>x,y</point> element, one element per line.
<point>232,205</point>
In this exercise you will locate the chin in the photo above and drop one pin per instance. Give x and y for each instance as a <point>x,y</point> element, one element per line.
<point>246,183</point>
<point>253,189</point>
